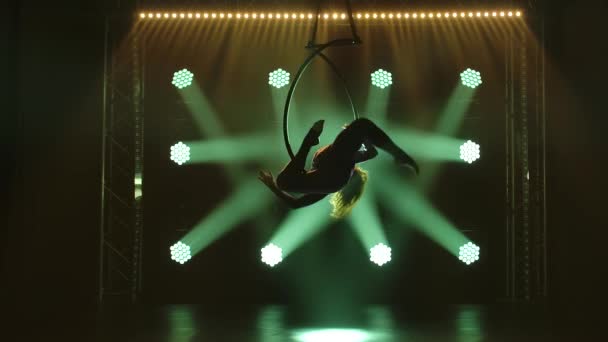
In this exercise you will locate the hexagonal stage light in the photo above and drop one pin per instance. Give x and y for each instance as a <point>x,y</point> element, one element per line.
<point>469,151</point>
<point>382,78</point>
<point>469,253</point>
<point>180,252</point>
<point>272,255</point>
<point>380,254</point>
<point>182,78</point>
<point>278,78</point>
<point>470,78</point>
<point>180,153</point>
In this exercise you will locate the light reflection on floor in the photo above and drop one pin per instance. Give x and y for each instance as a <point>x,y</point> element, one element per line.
<point>379,325</point>
<point>463,323</point>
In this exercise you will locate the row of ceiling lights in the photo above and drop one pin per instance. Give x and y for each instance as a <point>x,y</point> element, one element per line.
<point>335,16</point>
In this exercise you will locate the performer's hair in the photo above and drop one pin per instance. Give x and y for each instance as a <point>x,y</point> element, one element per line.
<point>345,200</point>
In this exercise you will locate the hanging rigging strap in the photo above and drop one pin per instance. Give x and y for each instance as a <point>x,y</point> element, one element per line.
<point>318,51</point>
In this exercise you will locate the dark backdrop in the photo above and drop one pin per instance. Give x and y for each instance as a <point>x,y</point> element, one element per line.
<point>51,141</point>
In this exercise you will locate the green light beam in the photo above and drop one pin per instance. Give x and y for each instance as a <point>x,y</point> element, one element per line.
<point>202,111</point>
<point>206,120</point>
<point>296,127</point>
<point>365,221</point>
<point>377,103</point>
<point>428,146</point>
<point>211,127</point>
<point>235,149</point>
<point>247,200</point>
<point>409,206</point>
<point>453,114</point>
<point>301,225</point>
<point>449,123</point>
<point>278,105</point>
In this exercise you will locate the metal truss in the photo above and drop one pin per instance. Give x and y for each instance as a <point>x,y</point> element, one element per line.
<point>121,224</point>
<point>525,125</point>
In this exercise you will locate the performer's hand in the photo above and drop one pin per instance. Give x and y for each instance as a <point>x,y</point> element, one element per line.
<point>266,178</point>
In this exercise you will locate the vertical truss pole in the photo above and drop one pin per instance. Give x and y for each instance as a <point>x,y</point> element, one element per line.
<point>104,133</point>
<point>538,166</point>
<point>509,172</point>
<point>121,222</point>
<point>524,169</point>
<point>525,146</point>
<point>542,115</point>
<point>138,118</point>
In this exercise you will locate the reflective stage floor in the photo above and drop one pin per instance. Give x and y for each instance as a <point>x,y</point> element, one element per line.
<point>181,323</point>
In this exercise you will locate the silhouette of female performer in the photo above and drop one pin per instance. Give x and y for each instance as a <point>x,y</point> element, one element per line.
<point>334,167</point>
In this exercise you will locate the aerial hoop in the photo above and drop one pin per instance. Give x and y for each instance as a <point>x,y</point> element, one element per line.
<point>318,51</point>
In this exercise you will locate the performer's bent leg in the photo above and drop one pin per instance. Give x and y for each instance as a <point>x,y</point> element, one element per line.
<point>292,176</point>
<point>362,130</point>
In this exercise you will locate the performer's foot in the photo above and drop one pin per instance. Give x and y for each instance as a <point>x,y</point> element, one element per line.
<point>406,161</point>
<point>312,138</point>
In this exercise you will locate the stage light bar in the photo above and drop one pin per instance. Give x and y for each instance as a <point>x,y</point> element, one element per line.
<point>395,15</point>
<point>469,151</point>
<point>278,78</point>
<point>180,252</point>
<point>180,153</point>
<point>182,78</point>
<point>380,254</point>
<point>471,78</point>
<point>469,253</point>
<point>382,78</point>
<point>272,255</point>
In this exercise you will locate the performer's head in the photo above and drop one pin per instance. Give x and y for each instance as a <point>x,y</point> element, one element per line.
<point>345,200</point>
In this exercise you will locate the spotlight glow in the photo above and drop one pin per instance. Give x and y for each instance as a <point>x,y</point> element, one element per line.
<point>469,253</point>
<point>470,78</point>
<point>180,252</point>
<point>382,78</point>
<point>278,78</point>
<point>180,153</point>
<point>380,254</point>
<point>272,255</point>
<point>469,151</point>
<point>182,78</point>
<point>333,335</point>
